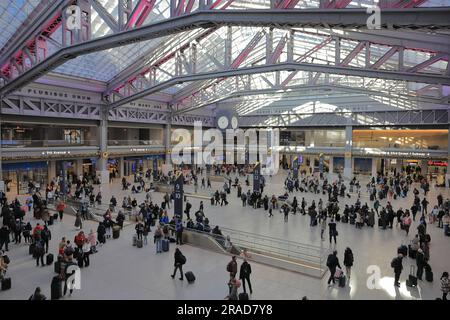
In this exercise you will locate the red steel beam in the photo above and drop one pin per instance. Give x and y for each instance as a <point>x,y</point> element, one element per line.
<point>140,13</point>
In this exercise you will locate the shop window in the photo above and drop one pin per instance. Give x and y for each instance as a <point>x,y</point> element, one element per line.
<point>72,136</point>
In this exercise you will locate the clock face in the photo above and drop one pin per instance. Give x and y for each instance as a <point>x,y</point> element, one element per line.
<point>222,122</point>
<point>234,122</point>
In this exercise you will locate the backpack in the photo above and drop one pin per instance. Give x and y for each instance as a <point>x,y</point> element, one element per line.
<point>394,263</point>
<point>183,259</point>
<point>229,267</point>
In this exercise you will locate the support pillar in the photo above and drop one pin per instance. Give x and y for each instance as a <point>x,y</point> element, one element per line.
<point>51,170</point>
<point>79,167</point>
<point>102,163</point>
<point>374,167</point>
<point>348,168</point>
<point>121,167</point>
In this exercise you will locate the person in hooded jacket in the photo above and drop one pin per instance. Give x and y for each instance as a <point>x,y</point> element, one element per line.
<point>332,263</point>
<point>101,232</point>
<point>180,260</point>
<point>348,261</point>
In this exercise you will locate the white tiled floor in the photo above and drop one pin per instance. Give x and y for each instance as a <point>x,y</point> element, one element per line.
<point>120,271</point>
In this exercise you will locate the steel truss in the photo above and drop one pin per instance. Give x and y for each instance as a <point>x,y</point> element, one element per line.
<point>343,118</point>
<point>38,107</point>
<point>32,56</point>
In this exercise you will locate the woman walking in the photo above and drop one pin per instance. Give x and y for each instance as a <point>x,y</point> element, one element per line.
<point>348,261</point>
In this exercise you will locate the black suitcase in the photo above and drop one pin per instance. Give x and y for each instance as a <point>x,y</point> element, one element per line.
<point>411,253</point>
<point>6,284</point>
<point>49,259</point>
<point>372,198</point>
<point>380,223</point>
<point>31,249</point>
<point>344,219</point>
<point>56,288</point>
<point>212,201</point>
<point>342,281</point>
<point>243,296</point>
<point>57,267</point>
<point>50,221</point>
<point>189,276</point>
<point>116,233</point>
<point>338,217</point>
<point>55,216</point>
<point>428,273</point>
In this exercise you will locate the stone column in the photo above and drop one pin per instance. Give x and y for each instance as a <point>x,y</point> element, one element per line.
<point>102,163</point>
<point>79,163</point>
<point>51,170</point>
<point>348,168</point>
<point>374,167</point>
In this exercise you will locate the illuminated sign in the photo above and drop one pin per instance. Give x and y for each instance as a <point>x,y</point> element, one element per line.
<point>438,163</point>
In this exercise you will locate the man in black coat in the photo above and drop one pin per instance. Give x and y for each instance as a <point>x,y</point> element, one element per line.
<point>397,265</point>
<point>421,263</point>
<point>244,274</point>
<point>332,263</point>
<point>4,237</point>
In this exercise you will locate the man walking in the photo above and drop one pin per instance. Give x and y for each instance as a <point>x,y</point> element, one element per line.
<point>244,275</point>
<point>332,263</point>
<point>397,265</point>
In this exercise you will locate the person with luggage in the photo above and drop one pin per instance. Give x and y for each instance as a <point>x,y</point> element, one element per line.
<point>421,263</point>
<point>39,252</point>
<point>234,286</point>
<point>397,265</point>
<point>232,269</point>
<point>101,233</point>
<point>139,230</point>
<point>180,260</point>
<point>78,223</point>
<point>406,222</point>
<point>37,295</point>
<point>158,239</point>
<point>332,264</point>
<point>348,261</point>
<point>46,236</point>
<point>244,275</point>
<point>445,285</point>
<point>332,230</point>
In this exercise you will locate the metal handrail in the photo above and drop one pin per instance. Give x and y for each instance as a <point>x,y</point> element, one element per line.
<point>317,258</point>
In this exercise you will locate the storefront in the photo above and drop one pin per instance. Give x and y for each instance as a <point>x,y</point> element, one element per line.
<point>437,167</point>
<point>338,165</point>
<point>18,175</point>
<point>362,166</point>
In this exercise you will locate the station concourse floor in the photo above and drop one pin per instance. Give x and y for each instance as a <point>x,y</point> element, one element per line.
<point>121,271</point>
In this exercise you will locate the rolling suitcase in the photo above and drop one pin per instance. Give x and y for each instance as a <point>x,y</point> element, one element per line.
<point>6,284</point>
<point>165,245</point>
<point>338,217</point>
<point>50,221</point>
<point>342,280</point>
<point>56,288</point>
<point>344,219</point>
<point>412,279</point>
<point>212,201</point>
<point>189,277</point>
<point>134,240</point>
<point>428,273</point>
<point>243,296</point>
<point>49,259</point>
<point>139,243</point>
<point>372,198</point>
<point>57,267</point>
<point>31,249</point>
<point>116,232</point>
